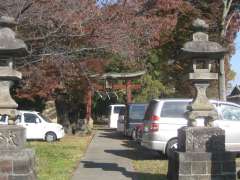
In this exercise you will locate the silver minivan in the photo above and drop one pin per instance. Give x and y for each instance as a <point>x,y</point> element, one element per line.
<point>165,116</point>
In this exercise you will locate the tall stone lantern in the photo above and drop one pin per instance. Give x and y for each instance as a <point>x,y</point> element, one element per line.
<point>203,53</point>
<point>10,49</point>
<point>201,151</point>
<point>16,162</point>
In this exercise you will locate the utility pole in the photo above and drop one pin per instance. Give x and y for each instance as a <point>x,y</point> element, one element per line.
<point>222,80</point>
<point>225,24</point>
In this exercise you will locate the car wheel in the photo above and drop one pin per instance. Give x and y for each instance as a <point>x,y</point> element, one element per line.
<point>171,147</point>
<point>50,137</point>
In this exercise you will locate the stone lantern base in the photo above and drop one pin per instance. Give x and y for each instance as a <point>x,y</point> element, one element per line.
<point>17,164</point>
<point>202,166</point>
<point>16,161</point>
<point>201,156</point>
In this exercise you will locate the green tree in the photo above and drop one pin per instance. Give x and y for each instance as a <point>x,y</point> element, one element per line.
<point>151,89</point>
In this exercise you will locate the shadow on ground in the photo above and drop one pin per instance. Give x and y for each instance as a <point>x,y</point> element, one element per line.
<point>129,174</point>
<point>113,134</point>
<point>134,152</point>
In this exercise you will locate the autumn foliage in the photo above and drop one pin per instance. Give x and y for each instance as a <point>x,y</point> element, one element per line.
<point>70,40</point>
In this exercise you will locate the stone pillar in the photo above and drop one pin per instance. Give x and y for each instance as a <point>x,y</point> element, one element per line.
<point>16,162</point>
<point>201,156</point>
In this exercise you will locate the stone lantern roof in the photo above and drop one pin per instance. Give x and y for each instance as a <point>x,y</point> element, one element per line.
<point>201,47</point>
<point>10,46</point>
<point>6,21</point>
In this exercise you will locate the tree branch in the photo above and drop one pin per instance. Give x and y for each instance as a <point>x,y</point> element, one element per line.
<point>25,8</point>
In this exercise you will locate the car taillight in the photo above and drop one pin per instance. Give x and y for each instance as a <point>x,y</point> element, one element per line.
<point>154,127</point>
<point>154,118</point>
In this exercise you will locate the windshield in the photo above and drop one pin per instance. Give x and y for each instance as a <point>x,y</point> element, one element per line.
<point>45,118</point>
<point>174,109</point>
<point>230,112</point>
<point>117,109</point>
<point>136,112</point>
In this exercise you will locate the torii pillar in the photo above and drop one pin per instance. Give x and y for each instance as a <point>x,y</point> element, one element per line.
<point>128,91</point>
<point>89,104</point>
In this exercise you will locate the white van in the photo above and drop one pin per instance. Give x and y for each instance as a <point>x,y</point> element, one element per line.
<point>113,114</point>
<point>37,126</point>
<point>164,117</point>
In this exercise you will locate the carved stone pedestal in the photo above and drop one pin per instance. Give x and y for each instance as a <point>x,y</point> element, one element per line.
<point>16,162</point>
<point>201,156</point>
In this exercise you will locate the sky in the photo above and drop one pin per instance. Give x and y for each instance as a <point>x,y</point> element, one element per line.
<point>235,61</point>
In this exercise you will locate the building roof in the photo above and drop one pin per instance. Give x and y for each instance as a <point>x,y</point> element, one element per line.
<point>235,92</point>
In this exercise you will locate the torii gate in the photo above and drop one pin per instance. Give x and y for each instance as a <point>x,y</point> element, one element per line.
<point>108,77</point>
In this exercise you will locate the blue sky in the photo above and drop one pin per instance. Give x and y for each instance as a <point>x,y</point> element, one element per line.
<point>235,61</point>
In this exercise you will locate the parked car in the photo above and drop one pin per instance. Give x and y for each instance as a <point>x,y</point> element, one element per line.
<point>113,113</point>
<point>37,126</point>
<point>132,118</point>
<point>165,116</point>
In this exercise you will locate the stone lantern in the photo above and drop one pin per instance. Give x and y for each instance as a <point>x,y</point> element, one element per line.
<point>202,52</point>
<point>201,150</point>
<point>16,162</point>
<point>10,49</point>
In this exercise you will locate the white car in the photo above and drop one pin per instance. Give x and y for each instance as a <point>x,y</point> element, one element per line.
<point>165,116</point>
<point>39,127</point>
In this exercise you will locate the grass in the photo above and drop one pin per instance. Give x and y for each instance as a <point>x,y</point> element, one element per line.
<point>148,165</point>
<point>151,169</point>
<point>156,169</point>
<point>57,161</point>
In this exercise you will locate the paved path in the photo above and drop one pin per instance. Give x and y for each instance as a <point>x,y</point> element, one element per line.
<point>107,158</point>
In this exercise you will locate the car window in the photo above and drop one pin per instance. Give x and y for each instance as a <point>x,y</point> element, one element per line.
<point>230,112</point>
<point>174,109</point>
<point>151,109</point>
<point>30,118</point>
<point>117,109</point>
<point>18,118</point>
<point>3,118</point>
<point>136,112</point>
<point>122,112</point>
